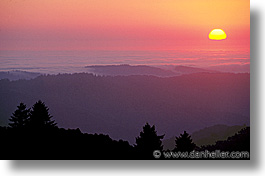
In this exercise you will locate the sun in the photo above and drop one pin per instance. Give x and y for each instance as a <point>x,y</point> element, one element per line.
<point>217,34</point>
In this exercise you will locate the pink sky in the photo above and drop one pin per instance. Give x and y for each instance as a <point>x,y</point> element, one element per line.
<point>119,24</point>
<point>128,25</point>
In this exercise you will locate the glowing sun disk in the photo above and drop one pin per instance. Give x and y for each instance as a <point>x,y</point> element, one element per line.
<point>217,34</point>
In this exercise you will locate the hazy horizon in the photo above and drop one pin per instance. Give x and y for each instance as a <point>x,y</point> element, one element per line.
<point>72,61</point>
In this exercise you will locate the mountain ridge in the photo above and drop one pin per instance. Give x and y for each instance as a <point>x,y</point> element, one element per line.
<point>120,105</point>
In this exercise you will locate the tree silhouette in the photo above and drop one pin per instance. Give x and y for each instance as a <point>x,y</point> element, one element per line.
<point>40,117</point>
<point>20,117</point>
<point>184,143</point>
<point>148,142</point>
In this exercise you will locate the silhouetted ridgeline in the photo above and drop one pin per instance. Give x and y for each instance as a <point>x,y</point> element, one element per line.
<point>16,75</point>
<point>162,71</point>
<point>208,135</point>
<point>59,143</point>
<point>238,142</point>
<point>120,105</point>
<point>188,70</point>
<point>126,70</point>
<point>33,134</point>
<point>115,70</point>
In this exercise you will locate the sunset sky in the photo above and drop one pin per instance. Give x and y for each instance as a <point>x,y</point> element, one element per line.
<point>119,24</point>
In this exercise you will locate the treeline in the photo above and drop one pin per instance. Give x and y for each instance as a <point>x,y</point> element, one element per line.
<point>32,134</point>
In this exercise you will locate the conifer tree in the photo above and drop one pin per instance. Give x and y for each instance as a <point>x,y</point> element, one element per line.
<point>40,117</point>
<point>148,141</point>
<point>184,143</point>
<point>20,117</point>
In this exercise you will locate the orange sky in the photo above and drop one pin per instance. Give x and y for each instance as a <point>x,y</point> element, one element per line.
<point>122,24</point>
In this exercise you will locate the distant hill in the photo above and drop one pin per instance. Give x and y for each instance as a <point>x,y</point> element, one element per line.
<point>17,74</point>
<point>121,105</point>
<point>238,142</point>
<point>188,70</point>
<point>208,135</point>
<point>126,70</point>
<point>233,68</point>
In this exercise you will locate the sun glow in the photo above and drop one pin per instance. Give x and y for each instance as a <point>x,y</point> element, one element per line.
<point>217,34</point>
